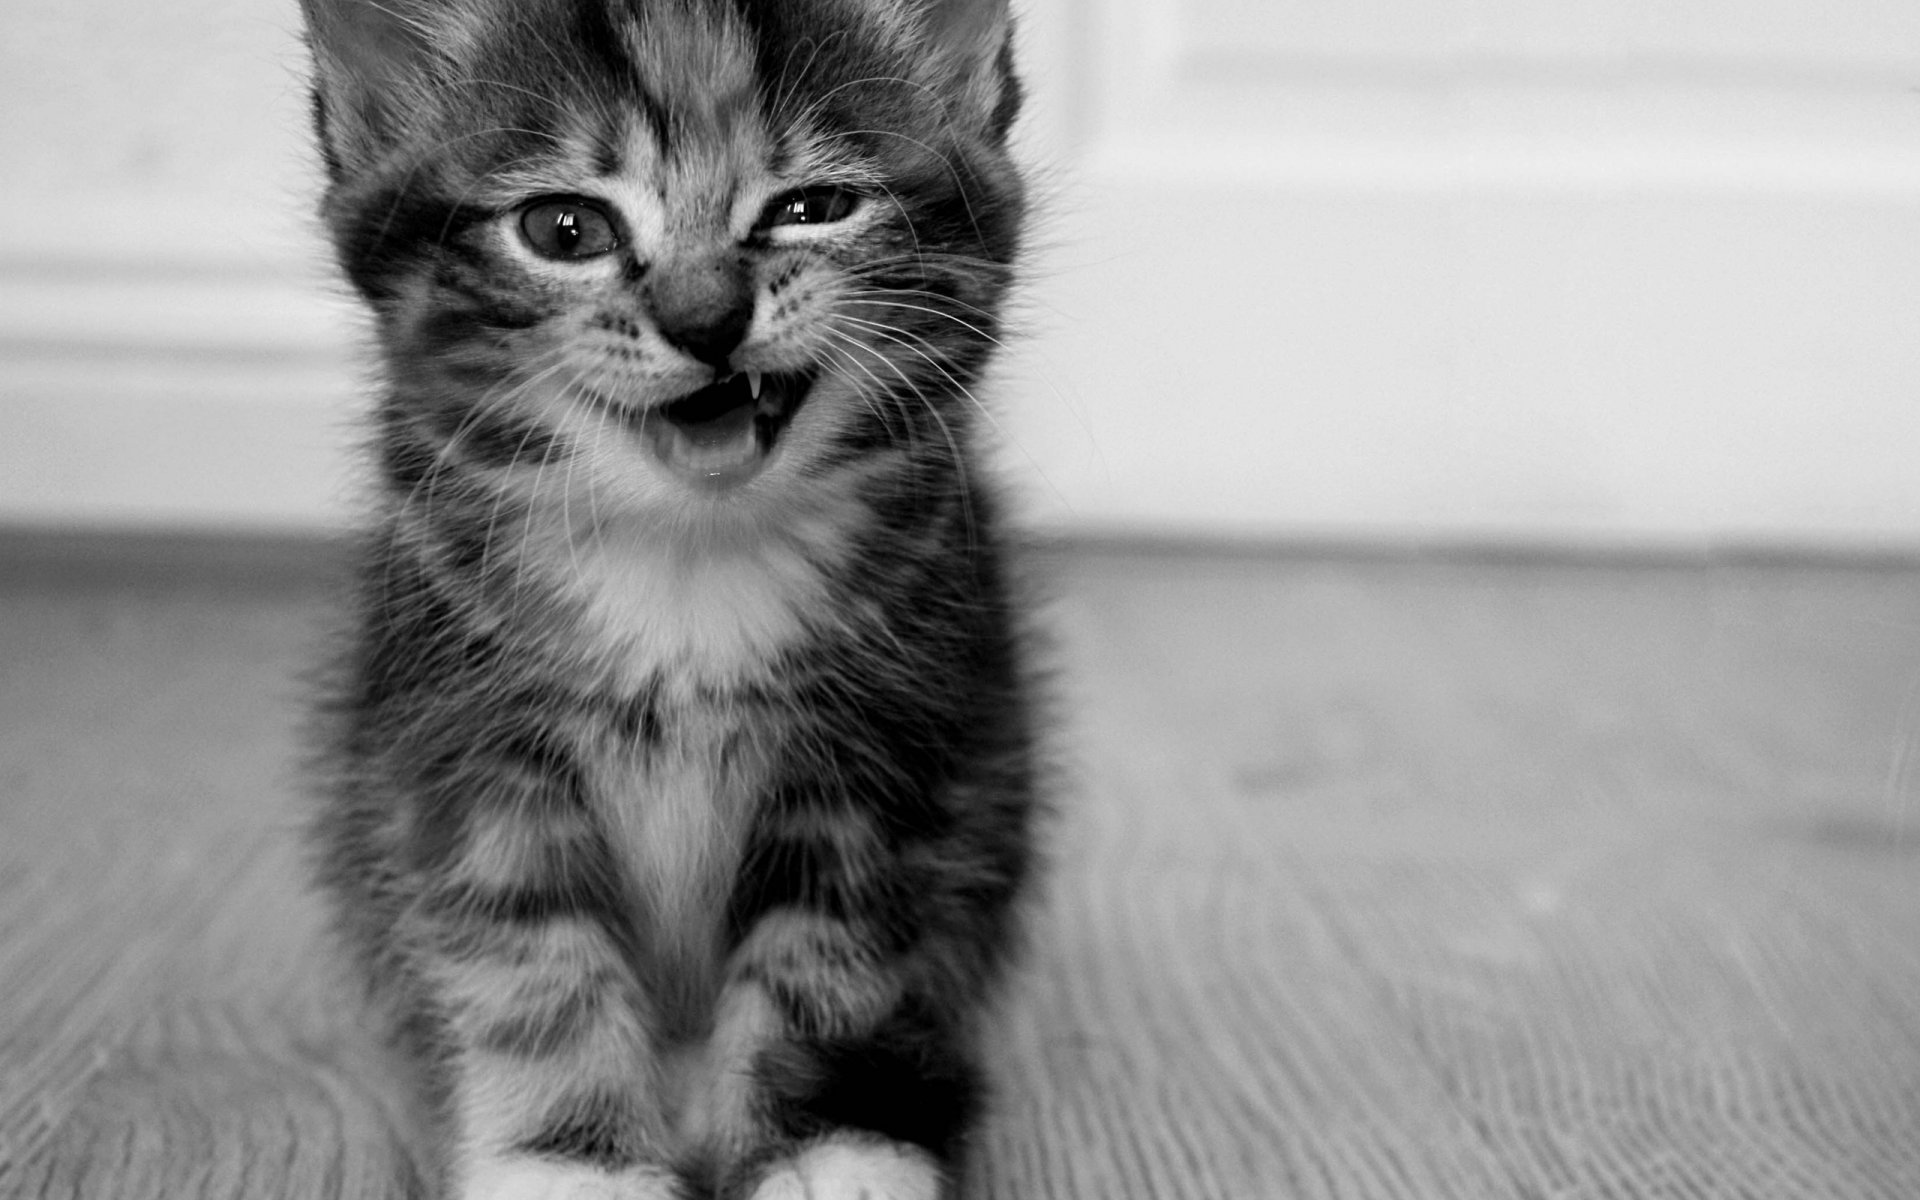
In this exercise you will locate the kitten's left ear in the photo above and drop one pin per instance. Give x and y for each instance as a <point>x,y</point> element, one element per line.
<point>969,55</point>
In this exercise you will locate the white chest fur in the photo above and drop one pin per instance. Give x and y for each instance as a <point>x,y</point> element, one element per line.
<point>687,622</point>
<point>707,614</point>
<point>679,816</point>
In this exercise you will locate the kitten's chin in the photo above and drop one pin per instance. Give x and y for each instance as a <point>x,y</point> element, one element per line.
<point>726,433</point>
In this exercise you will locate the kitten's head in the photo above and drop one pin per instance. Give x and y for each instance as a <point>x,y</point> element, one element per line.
<point>707,252</point>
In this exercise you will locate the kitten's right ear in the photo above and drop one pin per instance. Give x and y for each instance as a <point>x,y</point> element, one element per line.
<point>373,61</point>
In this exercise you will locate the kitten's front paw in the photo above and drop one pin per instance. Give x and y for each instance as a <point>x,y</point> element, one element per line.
<point>850,1169</point>
<point>544,1179</point>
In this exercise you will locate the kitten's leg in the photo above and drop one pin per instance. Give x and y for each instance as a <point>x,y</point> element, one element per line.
<point>548,1056</point>
<point>821,1046</point>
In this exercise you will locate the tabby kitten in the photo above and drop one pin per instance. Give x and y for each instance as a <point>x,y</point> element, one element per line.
<point>680,770</point>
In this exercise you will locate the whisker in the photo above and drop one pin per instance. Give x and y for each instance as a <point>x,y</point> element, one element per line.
<point>523,595</point>
<point>502,492</point>
<point>566,491</point>
<point>880,389</point>
<point>969,326</point>
<point>597,527</point>
<point>500,395</point>
<point>899,337</point>
<point>959,462</point>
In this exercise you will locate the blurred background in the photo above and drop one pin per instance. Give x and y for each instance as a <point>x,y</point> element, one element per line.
<point>1414,876</point>
<point>1605,272</point>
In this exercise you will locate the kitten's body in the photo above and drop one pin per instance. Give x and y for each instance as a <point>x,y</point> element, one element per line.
<point>681,764</point>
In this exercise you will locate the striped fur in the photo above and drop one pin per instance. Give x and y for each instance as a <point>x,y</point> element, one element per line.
<point>679,829</point>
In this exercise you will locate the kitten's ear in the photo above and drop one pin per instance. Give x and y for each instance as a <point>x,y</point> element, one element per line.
<point>373,61</point>
<point>969,48</point>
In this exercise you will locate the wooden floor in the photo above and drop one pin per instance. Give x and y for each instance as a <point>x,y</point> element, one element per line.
<point>1380,879</point>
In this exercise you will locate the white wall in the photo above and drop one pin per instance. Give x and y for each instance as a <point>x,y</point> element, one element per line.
<point>1615,270</point>
<point>1619,271</point>
<point>169,353</point>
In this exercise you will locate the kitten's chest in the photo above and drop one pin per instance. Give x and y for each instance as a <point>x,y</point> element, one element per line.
<point>697,628</point>
<point>678,812</point>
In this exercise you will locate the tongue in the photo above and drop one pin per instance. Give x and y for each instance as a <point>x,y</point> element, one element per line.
<point>713,448</point>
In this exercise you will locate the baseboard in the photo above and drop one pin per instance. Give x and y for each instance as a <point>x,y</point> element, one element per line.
<point>307,559</point>
<point>100,556</point>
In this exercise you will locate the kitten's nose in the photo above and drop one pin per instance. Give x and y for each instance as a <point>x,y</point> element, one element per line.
<point>702,305</point>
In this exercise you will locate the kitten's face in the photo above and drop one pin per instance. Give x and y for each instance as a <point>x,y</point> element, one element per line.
<point>688,255</point>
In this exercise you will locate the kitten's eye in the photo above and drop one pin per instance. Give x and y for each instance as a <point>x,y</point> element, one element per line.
<point>810,206</point>
<point>567,229</point>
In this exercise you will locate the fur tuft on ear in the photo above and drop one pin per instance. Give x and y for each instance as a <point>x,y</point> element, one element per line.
<point>373,63</point>
<point>969,51</point>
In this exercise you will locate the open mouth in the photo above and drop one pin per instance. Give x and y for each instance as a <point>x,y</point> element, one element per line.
<point>725,432</point>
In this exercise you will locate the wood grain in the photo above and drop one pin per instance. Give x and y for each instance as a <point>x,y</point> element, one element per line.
<point>1373,879</point>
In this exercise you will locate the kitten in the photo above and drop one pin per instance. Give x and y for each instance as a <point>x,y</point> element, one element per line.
<point>680,769</point>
